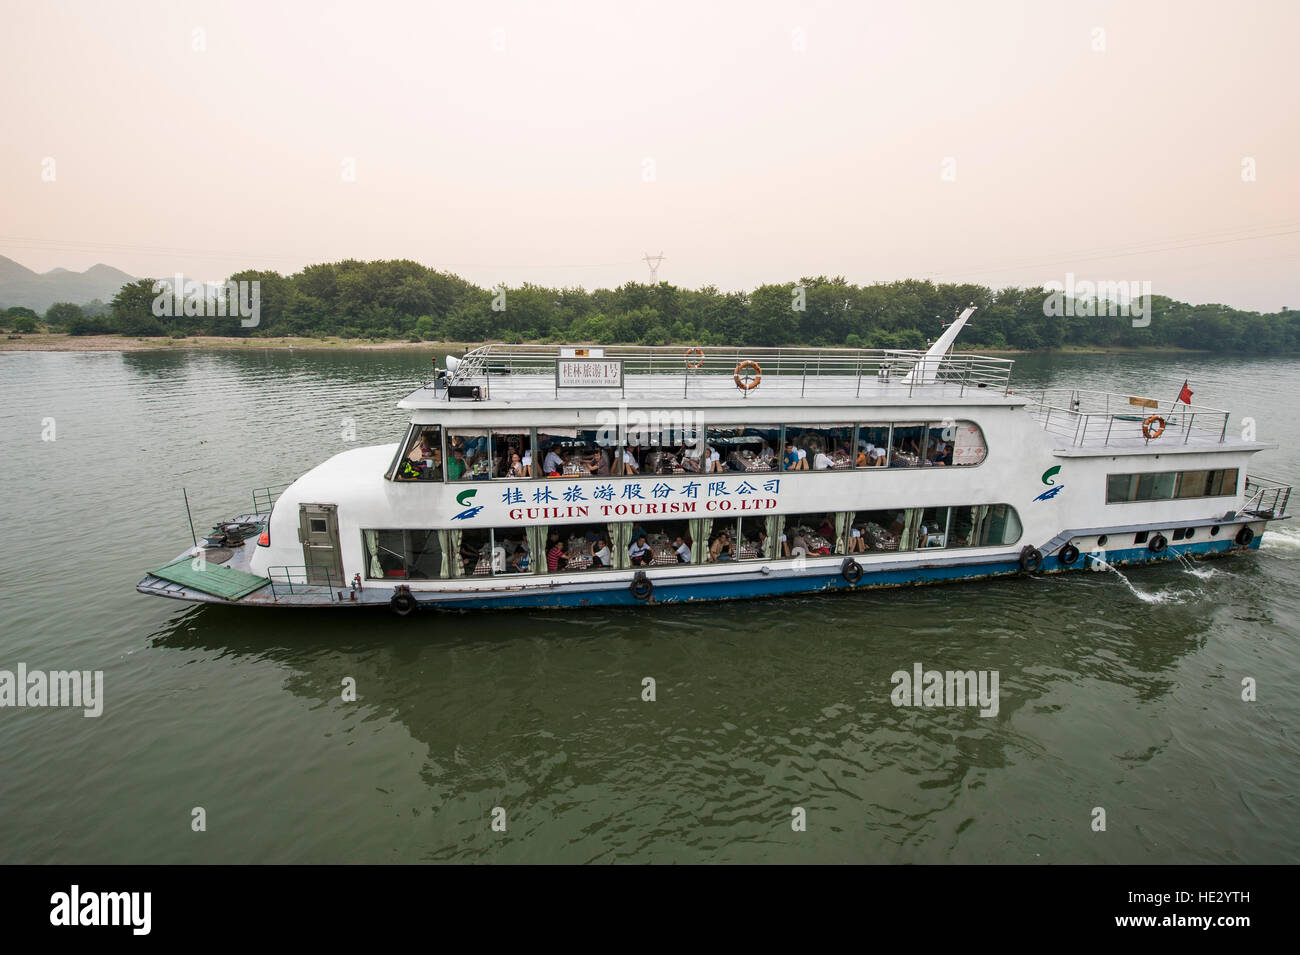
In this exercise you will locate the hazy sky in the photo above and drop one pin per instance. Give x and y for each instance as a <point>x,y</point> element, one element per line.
<point>1001,143</point>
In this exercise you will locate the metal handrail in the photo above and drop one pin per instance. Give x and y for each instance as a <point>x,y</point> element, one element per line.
<point>1074,412</point>
<point>1266,497</point>
<point>812,364</point>
<point>267,496</point>
<point>303,587</point>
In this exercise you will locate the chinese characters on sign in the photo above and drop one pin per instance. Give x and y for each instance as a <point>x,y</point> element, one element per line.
<point>637,498</point>
<point>588,373</point>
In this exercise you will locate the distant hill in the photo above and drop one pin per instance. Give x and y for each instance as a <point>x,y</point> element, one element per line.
<point>19,285</point>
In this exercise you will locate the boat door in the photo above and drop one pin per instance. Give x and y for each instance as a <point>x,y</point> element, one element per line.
<point>318,529</point>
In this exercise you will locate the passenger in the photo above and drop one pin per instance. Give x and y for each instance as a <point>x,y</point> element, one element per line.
<point>516,468</point>
<point>469,555</point>
<point>600,556</point>
<point>552,464</point>
<point>456,466</point>
<point>803,460</point>
<point>798,541</point>
<point>640,553</point>
<point>519,561</point>
<point>826,530</point>
<point>682,549</point>
<point>629,462</point>
<point>714,460</point>
<point>760,546</point>
<point>823,461</point>
<point>422,450</point>
<point>638,531</point>
<point>878,456</point>
<point>790,460</point>
<point>721,548</point>
<point>557,556</point>
<point>864,456</point>
<point>857,544</point>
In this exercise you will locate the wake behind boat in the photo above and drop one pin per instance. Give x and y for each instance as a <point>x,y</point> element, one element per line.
<point>567,476</point>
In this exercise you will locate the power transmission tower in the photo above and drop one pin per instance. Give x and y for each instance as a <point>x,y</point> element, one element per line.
<point>653,262</point>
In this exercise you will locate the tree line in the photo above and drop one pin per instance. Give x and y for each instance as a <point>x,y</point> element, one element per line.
<point>404,300</point>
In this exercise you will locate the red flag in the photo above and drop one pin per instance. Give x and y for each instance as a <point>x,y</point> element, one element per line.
<point>1185,396</point>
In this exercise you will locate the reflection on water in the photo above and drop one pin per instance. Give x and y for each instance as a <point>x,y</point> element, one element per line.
<point>1121,693</point>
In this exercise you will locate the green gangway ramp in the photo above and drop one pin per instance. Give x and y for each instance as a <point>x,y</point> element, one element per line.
<point>212,579</point>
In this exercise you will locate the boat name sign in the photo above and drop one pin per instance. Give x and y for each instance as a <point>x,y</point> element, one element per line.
<point>703,497</point>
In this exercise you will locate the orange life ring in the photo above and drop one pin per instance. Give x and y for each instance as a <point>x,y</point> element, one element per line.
<point>1151,433</point>
<point>747,375</point>
<point>694,357</point>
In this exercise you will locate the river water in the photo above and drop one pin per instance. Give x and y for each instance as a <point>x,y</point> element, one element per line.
<point>1122,693</point>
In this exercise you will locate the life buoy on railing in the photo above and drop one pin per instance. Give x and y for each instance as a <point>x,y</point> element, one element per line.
<point>1158,544</point>
<point>748,375</point>
<point>1069,554</point>
<point>642,586</point>
<point>1031,559</point>
<point>851,571</point>
<point>1153,427</point>
<point>694,357</point>
<point>402,602</point>
<point>1244,537</point>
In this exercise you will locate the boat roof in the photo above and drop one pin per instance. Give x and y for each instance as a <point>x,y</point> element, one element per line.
<point>514,375</point>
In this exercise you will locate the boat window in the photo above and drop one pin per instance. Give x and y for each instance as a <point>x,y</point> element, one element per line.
<point>997,525</point>
<point>581,547</point>
<point>512,455</point>
<point>652,543</point>
<point>421,458</point>
<point>755,536</point>
<point>581,452</point>
<point>1165,485</point>
<point>968,447</point>
<point>907,445</point>
<point>741,448</point>
<point>873,446</point>
<point>469,456</point>
<point>873,531</point>
<point>818,447</point>
<point>404,554</point>
<point>931,530</point>
<point>661,442</point>
<point>812,535</point>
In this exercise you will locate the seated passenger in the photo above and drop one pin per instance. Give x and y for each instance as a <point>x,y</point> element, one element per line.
<point>682,549</point>
<point>456,466</point>
<point>790,460</point>
<point>822,462</point>
<point>720,549</point>
<point>629,462</point>
<point>713,460</point>
<point>826,530</point>
<point>516,468</point>
<point>857,543</point>
<point>600,556</point>
<point>469,557</point>
<point>519,561</point>
<point>552,464</point>
<point>863,459</point>
<point>878,456</point>
<point>557,557</point>
<point>640,553</point>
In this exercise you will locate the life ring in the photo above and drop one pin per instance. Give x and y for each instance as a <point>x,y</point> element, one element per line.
<point>402,602</point>
<point>1069,554</point>
<point>747,375</point>
<point>1031,559</point>
<point>1149,431</point>
<point>1158,544</point>
<point>694,357</point>
<point>1244,537</point>
<point>642,586</point>
<point>851,571</point>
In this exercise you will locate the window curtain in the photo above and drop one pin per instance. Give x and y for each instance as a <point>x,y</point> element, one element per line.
<point>911,528</point>
<point>843,521</point>
<point>701,527</point>
<point>775,524</point>
<point>619,535</point>
<point>444,545</point>
<point>978,519</point>
<point>372,549</point>
<point>458,567</point>
<point>537,534</point>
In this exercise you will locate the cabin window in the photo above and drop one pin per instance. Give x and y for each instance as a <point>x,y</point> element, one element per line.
<point>756,536</point>
<point>655,543</point>
<point>512,454</point>
<point>404,554</point>
<point>469,454</point>
<point>742,448</point>
<point>873,446</point>
<point>818,447</point>
<point>968,447</point>
<point>570,548</point>
<point>1167,485</point>
<point>931,530</point>
<point>661,443</point>
<point>907,446</point>
<point>421,457</point>
<point>579,452</point>
<point>872,531</point>
<point>812,535</point>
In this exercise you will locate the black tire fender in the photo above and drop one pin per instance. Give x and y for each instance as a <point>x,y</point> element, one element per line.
<point>402,603</point>
<point>1031,559</point>
<point>1244,537</point>
<point>851,571</point>
<point>1068,555</point>
<point>1158,544</point>
<point>642,587</point>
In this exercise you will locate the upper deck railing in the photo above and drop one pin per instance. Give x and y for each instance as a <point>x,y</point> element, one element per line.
<point>842,371</point>
<point>1091,418</point>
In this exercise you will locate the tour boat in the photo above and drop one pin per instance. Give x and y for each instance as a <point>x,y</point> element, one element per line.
<point>569,476</point>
